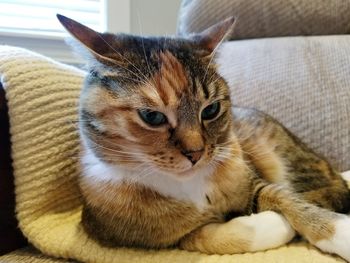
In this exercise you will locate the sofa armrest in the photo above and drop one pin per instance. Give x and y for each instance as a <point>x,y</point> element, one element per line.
<point>11,237</point>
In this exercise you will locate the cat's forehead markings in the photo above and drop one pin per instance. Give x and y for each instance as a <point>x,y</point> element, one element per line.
<point>171,80</point>
<point>150,93</point>
<point>166,87</point>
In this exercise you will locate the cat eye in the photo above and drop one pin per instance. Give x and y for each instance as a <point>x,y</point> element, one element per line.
<point>211,111</point>
<point>153,118</point>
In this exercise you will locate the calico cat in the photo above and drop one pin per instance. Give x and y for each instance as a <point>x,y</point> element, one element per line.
<point>168,162</point>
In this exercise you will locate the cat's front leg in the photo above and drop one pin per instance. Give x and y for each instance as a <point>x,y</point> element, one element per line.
<point>327,230</point>
<point>256,232</point>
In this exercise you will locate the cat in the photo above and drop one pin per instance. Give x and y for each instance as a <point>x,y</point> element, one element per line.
<point>168,162</point>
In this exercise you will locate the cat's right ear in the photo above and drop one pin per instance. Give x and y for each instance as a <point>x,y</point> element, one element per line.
<point>213,36</point>
<point>98,44</point>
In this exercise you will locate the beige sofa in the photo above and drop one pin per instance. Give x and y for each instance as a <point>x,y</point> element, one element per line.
<point>303,81</point>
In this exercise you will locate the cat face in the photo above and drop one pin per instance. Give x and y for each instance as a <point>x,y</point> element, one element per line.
<point>155,104</point>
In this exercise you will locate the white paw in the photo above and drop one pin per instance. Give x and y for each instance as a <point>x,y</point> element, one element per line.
<point>271,230</point>
<point>346,175</point>
<point>339,243</point>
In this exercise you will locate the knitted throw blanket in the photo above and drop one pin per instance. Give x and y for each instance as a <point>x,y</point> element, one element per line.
<point>42,98</point>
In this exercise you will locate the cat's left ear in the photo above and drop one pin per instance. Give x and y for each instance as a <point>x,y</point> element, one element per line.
<point>213,36</point>
<point>98,44</point>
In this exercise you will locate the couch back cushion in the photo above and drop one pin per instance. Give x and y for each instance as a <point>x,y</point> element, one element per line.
<point>304,82</point>
<point>268,18</point>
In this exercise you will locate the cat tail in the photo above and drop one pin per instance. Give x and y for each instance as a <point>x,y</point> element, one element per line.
<point>327,230</point>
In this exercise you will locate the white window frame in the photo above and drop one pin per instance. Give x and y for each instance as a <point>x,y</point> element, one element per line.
<point>116,18</point>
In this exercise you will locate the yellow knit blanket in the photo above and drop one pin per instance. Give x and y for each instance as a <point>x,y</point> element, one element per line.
<point>42,98</point>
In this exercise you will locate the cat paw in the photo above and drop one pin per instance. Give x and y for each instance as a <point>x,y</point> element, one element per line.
<point>339,242</point>
<point>243,234</point>
<point>270,230</point>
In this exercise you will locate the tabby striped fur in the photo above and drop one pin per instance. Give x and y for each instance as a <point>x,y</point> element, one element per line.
<point>203,185</point>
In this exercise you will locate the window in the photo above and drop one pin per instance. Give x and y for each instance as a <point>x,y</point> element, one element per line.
<point>39,16</point>
<point>32,24</point>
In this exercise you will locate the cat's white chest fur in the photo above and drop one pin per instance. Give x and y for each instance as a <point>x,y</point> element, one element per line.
<point>193,189</point>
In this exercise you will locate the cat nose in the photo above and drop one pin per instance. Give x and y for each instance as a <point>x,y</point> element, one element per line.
<point>193,156</point>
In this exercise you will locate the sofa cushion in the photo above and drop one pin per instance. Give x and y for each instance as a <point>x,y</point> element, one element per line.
<point>31,255</point>
<point>304,82</point>
<point>42,98</point>
<point>268,18</point>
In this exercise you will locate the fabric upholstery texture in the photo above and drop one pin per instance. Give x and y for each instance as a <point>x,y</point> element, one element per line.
<point>42,98</point>
<point>268,18</point>
<point>302,81</point>
<point>31,255</point>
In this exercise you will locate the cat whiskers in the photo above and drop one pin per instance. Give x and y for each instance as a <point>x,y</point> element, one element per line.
<point>124,57</point>
<point>116,152</point>
<point>222,153</point>
<point>143,170</point>
<point>132,73</point>
<point>215,163</point>
<point>143,82</point>
<point>143,46</point>
<point>226,151</point>
<point>230,156</point>
<point>221,162</point>
<point>213,53</point>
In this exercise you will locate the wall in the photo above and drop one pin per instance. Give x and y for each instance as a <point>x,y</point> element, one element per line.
<point>153,17</point>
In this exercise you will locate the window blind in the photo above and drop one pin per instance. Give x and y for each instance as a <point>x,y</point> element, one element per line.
<point>38,17</point>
